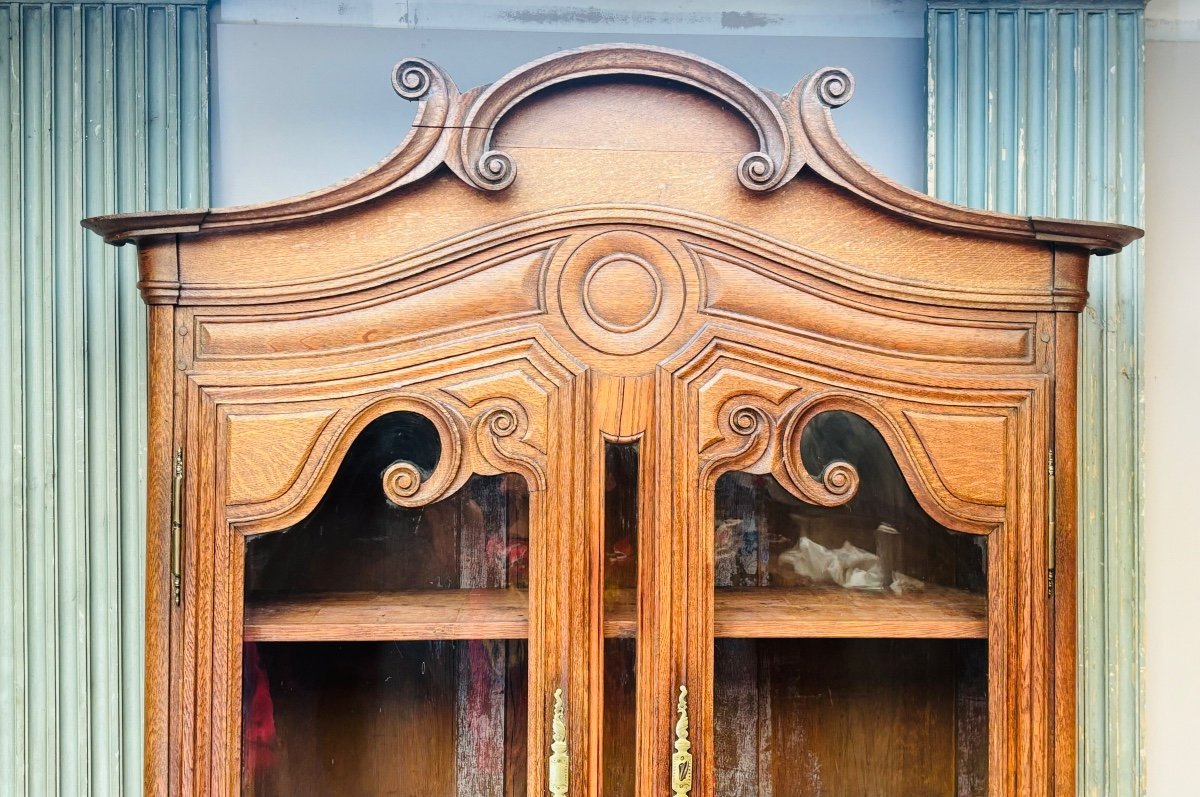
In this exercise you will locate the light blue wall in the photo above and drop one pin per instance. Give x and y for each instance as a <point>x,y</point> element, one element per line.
<point>296,107</point>
<point>1172,719</point>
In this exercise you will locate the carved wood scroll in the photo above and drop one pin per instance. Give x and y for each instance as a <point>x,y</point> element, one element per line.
<point>493,170</point>
<point>491,408</point>
<point>749,402</point>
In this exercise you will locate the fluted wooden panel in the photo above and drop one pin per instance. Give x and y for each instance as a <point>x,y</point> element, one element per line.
<point>103,107</point>
<point>1037,108</point>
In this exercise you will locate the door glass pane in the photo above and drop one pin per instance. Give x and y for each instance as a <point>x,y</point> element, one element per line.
<point>384,718</point>
<point>851,658</point>
<point>386,646</point>
<point>621,463</point>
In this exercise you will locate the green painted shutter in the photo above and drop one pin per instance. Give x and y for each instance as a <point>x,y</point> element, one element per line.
<point>104,108</point>
<point>1037,108</point>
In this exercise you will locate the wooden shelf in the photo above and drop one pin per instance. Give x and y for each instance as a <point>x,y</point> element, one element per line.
<point>620,614</point>
<point>933,613</point>
<point>380,616</point>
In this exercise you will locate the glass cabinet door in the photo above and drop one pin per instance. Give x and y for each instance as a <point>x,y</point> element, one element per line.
<point>850,657</point>
<point>622,471</point>
<point>385,648</point>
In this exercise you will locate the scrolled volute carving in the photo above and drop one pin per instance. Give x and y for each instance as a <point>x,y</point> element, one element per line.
<point>404,483</point>
<point>489,169</point>
<point>747,419</point>
<point>833,86</point>
<point>839,480</point>
<point>494,170</point>
<point>757,436</point>
<point>413,78</point>
<point>757,171</point>
<point>500,432</point>
<point>747,438</point>
<point>401,481</point>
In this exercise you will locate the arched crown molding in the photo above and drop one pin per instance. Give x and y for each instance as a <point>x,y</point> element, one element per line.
<point>456,129</point>
<point>493,170</point>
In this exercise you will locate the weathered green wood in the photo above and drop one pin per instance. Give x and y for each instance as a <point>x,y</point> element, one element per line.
<point>1037,108</point>
<point>103,108</point>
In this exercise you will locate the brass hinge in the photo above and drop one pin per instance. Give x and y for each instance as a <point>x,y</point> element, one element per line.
<point>177,527</point>
<point>1051,541</point>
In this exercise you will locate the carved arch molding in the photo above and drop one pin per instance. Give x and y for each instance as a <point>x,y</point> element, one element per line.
<point>557,298</point>
<point>743,400</point>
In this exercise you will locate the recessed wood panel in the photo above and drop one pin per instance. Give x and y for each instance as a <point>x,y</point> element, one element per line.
<point>267,452</point>
<point>505,289</point>
<point>968,452</point>
<point>624,115</point>
<point>757,293</point>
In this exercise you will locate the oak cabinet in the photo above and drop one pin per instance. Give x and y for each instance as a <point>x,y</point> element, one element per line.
<point>622,434</point>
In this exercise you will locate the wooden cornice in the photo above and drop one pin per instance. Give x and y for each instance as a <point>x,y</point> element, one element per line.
<point>456,129</point>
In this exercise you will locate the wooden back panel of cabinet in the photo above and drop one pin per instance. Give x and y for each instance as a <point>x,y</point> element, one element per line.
<point>617,243</point>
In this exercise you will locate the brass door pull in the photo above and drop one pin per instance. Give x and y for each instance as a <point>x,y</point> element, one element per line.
<point>560,762</point>
<point>681,762</point>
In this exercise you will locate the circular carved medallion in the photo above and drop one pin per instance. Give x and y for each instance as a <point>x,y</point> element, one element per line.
<point>621,292</point>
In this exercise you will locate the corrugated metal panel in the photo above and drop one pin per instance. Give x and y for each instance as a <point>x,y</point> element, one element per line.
<point>103,108</point>
<point>1037,108</point>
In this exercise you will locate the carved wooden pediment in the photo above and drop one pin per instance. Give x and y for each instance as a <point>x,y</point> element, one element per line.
<point>460,130</point>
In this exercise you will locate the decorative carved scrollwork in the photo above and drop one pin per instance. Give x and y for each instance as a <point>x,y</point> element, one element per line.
<point>792,132</point>
<point>757,171</point>
<point>487,168</point>
<point>761,434</point>
<point>746,427</point>
<point>500,433</point>
<point>839,480</point>
<point>497,444</point>
<point>412,78</point>
<point>833,86</point>
<point>401,481</point>
<point>761,437</point>
<point>494,170</point>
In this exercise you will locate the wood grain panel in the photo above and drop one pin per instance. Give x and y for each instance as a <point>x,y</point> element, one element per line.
<point>624,115</point>
<point>745,290</point>
<point>267,452</point>
<point>968,452</point>
<point>362,616</point>
<point>503,290</point>
<point>932,613</point>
